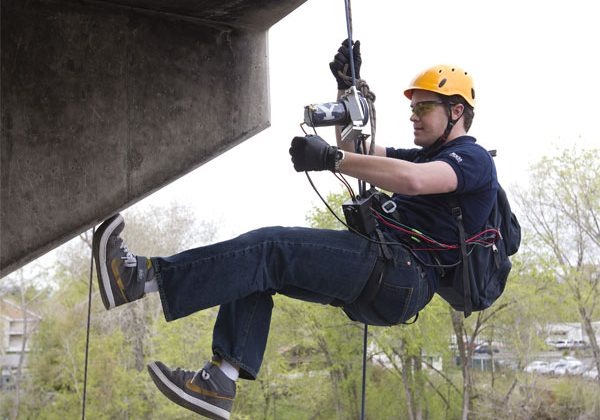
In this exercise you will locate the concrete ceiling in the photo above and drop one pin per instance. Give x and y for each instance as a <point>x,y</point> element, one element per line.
<point>257,14</point>
<point>104,102</point>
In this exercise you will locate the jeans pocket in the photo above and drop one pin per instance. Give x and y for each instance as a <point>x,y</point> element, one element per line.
<point>403,291</point>
<point>395,304</point>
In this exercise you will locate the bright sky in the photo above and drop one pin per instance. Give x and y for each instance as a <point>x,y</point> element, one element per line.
<point>536,80</point>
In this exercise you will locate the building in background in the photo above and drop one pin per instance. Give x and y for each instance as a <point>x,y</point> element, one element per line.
<point>570,335</point>
<point>16,328</point>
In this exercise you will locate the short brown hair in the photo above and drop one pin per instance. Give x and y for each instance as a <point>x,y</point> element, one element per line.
<point>468,113</point>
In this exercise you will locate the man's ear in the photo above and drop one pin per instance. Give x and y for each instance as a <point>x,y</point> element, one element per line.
<point>457,111</point>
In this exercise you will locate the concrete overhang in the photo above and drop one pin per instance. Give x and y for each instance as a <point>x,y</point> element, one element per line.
<point>250,14</point>
<point>105,102</point>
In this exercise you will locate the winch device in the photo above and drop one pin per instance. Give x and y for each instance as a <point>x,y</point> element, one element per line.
<point>351,113</point>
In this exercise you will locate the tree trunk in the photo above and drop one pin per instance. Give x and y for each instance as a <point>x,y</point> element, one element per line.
<point>406,380</point>
<point>589,330</point>
<point>334,375</point>
<point>458,325</point>
<point>419,391</point>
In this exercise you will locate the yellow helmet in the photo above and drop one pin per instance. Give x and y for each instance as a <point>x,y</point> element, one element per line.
<point>445,80</point>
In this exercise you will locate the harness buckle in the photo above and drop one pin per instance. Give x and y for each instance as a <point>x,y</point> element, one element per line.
<point>389,206</point>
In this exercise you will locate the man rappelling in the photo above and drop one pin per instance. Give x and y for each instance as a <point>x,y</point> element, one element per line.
<point>330,267</point>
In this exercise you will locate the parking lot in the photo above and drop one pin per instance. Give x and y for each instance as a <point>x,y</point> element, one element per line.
<point>551,363</point>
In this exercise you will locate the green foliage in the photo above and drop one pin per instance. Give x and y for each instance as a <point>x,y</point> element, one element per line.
<point>532,301</point>
<point>321,217</point>
<point>122,341</point>
<point>313,361</point>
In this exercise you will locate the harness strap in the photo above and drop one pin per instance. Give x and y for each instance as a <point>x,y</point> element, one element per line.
<point>464,257</point>
<point>385,250</point>
<point>373,283</point>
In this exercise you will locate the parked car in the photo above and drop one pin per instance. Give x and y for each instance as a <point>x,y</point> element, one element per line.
<point>537,366</point>
<point>485,349</point>
<point>567,344</point>
<point>558,368</point>
<point>579,344</point>
<point>563,344</point>
<point>591,373</point>
<point>567,366</point>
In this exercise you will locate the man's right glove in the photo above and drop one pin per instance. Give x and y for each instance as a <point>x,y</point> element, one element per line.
<point>312,153</point>
<point>340,66</point>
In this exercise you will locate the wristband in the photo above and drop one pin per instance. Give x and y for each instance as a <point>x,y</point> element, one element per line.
<point>339,157</point>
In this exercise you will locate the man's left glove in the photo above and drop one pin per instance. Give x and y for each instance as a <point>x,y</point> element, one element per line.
<point>340,66</point>
<point>312,153</point>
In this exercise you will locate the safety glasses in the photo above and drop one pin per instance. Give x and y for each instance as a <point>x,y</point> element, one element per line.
<point>425,107</point>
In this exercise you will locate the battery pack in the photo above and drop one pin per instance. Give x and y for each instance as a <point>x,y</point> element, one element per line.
<point>358,215</point>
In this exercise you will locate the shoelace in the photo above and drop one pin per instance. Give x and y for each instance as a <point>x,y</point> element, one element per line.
<point>129,259</point>
<point>182,376</point>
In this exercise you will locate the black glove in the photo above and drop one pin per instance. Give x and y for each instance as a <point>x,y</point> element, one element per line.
<point>340,66</point>
<point>312,153</point>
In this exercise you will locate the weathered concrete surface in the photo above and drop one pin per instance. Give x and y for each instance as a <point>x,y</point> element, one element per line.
<point>104,104</point>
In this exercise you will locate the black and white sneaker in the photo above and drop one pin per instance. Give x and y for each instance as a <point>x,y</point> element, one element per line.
<point>121,275</point>
<point>208,392</point>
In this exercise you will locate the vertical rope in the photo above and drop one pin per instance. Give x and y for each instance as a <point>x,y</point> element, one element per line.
<point>87,335</point>
<point>349,29</point>
<point>361,188</point>
<point>364,375</point>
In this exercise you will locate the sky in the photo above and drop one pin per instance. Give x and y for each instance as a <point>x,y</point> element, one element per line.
<point>534,68</point>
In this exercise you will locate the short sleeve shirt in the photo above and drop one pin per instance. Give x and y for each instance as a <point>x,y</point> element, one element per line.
<point>476,192</point>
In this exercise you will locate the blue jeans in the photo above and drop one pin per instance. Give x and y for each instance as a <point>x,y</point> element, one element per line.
<point>315,265</point>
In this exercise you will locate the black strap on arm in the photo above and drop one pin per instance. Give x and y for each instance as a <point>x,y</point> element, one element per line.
<point>457,213</point>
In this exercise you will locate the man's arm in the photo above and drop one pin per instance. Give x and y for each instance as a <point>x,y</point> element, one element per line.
<point>312,153</point>
<point>401,176</point>
<point>395,175</point>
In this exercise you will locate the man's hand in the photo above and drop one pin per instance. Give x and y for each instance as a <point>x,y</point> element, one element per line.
<point>312,153</point>
<point>340,66</point>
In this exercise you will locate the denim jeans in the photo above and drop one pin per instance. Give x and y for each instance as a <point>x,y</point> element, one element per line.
<point>315,265</point>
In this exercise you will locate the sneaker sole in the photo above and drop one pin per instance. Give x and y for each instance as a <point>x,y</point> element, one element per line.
<point>99,248</point>
<point>180,397</point>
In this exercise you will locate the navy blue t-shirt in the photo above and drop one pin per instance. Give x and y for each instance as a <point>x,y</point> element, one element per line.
<point>476,192</point>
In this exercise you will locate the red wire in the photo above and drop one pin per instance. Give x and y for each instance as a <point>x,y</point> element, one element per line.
<point>473,240</point>
<point>415,234</point>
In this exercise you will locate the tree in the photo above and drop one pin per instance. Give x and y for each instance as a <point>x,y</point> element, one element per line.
<point>562,210</point>
<point>409,348</point>
<point>122,339</point>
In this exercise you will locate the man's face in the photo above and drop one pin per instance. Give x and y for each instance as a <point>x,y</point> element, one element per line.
<point>429,117</point>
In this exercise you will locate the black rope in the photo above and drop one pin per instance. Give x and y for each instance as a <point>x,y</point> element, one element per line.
<point>361,187</point>
<point>349,28</point>
<point>364,373</point>
<point>87,334</point>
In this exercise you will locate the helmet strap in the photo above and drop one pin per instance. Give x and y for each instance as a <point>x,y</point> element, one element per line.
<point>451,122</point>
<point>444,137</point>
